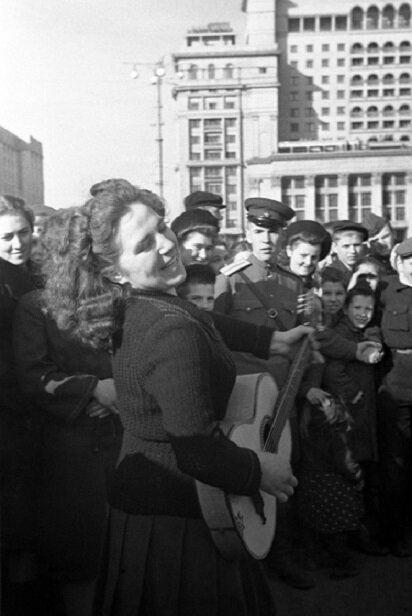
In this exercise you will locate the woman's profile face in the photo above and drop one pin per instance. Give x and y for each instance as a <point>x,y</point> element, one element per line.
<point>15,238</point>
<point>149,256</point>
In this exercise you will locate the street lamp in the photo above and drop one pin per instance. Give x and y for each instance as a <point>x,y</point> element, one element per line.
<point>157,79</point>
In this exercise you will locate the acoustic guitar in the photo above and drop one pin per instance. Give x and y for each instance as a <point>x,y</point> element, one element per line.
<point>256,418</point>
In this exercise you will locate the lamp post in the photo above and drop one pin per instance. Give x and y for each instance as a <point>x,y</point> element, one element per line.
<point>157,80</point>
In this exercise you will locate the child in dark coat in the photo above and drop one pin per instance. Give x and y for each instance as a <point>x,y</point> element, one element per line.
<point>330,481</point>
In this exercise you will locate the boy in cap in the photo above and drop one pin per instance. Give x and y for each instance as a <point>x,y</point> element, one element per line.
<point>196,232</point>
<point>381,240</point>
<point>307,243</point>
<point>348,238</point>
<point>203,200</point>
<point>395,401</point>
<point>199,286</point>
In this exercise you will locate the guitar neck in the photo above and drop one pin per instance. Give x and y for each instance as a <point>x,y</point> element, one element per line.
<point>286,398</point>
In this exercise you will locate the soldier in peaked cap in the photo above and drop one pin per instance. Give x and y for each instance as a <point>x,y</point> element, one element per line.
<point>203,200</point>
<point>257,289</point>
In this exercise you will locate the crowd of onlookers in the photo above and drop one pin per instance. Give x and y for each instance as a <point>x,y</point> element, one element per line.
<point>61,433</point>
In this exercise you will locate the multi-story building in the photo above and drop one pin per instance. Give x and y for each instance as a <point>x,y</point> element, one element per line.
<point>342,75</point>
<point>227,110</point>
<point>21,168</point>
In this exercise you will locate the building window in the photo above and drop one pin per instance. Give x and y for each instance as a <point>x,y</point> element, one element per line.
<point>393,198</point>
<point>325,111</point>
<point>294,112</point>
<point>360,196</point>
<point>310,127</point>
<point>326,198</point>
<point>325,126</point>
<point>405,92</point>
<point>341,62</point>
<point>293,95</point>
<point>388,92</point>
<point>292,195</point>
<point>309,95</point>
<point>293,49</point>
<point>230,102</point>
<point>309,48</point>
<point>388,60</point>
<point>294,25</point>
<point>405,124</point>
<point>325,63</point>
<point>357,61</point>
<point>192,73</point>
<point>294,127</point>
<point>294,80</point>
<point>228,71</point>
<point>213,154</point>
<point>373,61</point>
<point>340,78</point>
<point>294,65</point>
<point>309,24</point>
<point>341,22</point>
<point>341,47</point>
<point>230,122</point>
<point>263,70</point>
<point>341,110</point>
<point>325,96</point>
<point>212,123</point>
<point>194,104</point>
<point>388,124</point>
<point>373,125</point>
<point>212,102</point>
<point>194,124</point>
<point>325,23</point>
<point>340,94</point>
<point>341,125</point>
<point>325,47</point>
<point>309,63</point>
<point>357,18</point>
<point>372,93</point>
<point>325,79</point>
<point>356,125</point>
<point>215,138</point>
<point>211,71</point>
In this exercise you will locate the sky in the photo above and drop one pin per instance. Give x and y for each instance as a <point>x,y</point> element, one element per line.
<point>65,73</point>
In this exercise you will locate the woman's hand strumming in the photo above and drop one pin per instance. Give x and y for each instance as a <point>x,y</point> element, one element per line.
<point>277,476</point>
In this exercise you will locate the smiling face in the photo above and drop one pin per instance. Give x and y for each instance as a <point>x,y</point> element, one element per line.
<point>15,238</point>
<point>149,257</point>
<point>196,247</point>
<point>360,310</point>
<point>303,257</point>
<point>262,240</point>
<point>333,296</point>
<point>348,246</point>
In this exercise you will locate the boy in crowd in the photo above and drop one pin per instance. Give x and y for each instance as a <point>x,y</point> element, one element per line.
<point>199,286</point>
<point>348,238</point>
<point>333,293</point>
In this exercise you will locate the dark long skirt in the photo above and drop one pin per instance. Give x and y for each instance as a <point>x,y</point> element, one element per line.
<point>169,566</point>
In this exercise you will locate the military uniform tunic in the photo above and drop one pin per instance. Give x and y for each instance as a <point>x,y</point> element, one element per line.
<point>279,288</point>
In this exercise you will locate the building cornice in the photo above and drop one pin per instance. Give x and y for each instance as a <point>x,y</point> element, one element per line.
<point>295,156</point>
<point>233,53</point>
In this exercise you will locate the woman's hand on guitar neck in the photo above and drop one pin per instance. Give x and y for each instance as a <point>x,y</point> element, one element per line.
<point>283,342</point>
<point>277,476</point>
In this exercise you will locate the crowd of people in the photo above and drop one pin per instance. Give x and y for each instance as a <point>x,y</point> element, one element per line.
<point>122,341</point>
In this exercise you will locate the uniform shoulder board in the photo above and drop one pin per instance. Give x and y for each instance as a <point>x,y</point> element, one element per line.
<point>235,267</point>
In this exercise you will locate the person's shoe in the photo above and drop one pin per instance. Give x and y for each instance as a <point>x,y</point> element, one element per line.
<point>400,548</point>
<point>293,575</point>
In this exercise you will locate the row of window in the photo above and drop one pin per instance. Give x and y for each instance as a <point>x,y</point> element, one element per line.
<point>359,196</point>
<point>376,61</point>
<point>377,92</point>
<point>229,71</point>
<point>375,124</point>
<point>372,110</point>
<point>372,47</point>
<point>359,19</point>
<point>211,102</point>
<point>387,78</point>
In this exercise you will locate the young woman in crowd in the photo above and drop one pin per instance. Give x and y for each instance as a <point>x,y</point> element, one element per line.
<point>173,377</point>
<point>17,438</point>
<point>79,429</point>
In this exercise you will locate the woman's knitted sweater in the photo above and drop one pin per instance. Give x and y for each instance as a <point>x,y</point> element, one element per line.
<point>173,377</point>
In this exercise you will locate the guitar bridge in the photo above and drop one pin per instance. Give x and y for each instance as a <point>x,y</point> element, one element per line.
<point>259,505</point>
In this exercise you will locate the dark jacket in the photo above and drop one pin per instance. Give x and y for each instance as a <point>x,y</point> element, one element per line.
<point>346,379</point>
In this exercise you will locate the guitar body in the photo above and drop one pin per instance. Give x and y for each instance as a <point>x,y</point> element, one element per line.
<point>237,528</point>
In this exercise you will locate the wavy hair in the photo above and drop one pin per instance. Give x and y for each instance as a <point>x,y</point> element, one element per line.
<point>15,205</point>
<point>79,262</point>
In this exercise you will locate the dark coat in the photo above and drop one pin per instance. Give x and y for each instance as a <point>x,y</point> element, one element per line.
<point>77,453</point>
<point>346,379</point>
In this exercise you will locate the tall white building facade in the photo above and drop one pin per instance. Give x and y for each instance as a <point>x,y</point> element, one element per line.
<point>321,109</point>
